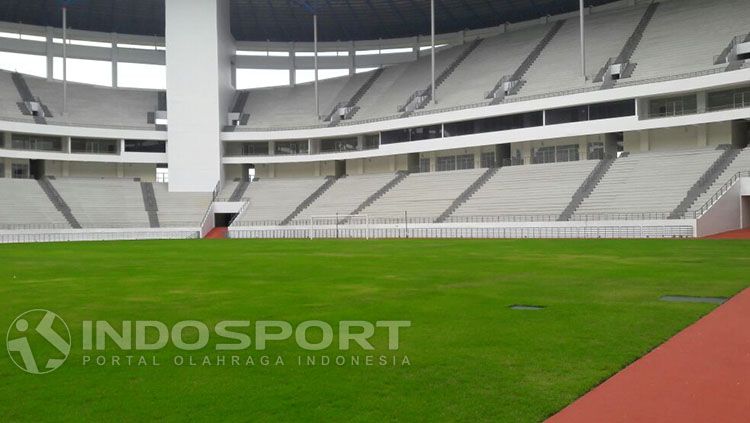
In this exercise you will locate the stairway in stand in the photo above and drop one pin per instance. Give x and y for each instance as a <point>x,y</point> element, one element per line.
<point>217,233</point>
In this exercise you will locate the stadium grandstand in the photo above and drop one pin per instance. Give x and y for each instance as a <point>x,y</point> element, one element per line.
<point>300,119</point>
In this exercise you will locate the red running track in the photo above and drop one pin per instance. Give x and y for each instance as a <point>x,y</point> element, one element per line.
<point>740,234</point>
<point>702,374</point>
<point>217,233</point>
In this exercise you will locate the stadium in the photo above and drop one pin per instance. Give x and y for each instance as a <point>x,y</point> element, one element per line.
<point>443,210</point>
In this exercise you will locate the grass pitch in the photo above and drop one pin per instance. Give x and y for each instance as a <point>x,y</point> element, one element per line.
<point>471,357</point>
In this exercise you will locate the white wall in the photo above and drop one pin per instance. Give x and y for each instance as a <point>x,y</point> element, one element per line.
<point>724,216</point>
<point>199,48</point>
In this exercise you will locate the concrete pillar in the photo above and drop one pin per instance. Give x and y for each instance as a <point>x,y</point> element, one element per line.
<point>271,148</point>
<point>115,60</point>
<point>477,157</point>
<point>6,140</point>
<point>702,102</point>
<point>583,147</point>
<point>198,39</point>
<point>50,47</point>
<point>66,141</point>
<point>292,65</point>
<point>352,59</point>
<point>645,140</point>
<point>526,153</point>
<point>393,163</point>
<point>702,132</point>
<point>433,161</point>
<point>7,167</point>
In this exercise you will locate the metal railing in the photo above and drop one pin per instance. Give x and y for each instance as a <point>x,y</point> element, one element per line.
<point>404,218</point>
<point>718,194</point>
<point>32,226</point>
<point>74,235</point>
<point>445,231</point>
<point>55,122</point>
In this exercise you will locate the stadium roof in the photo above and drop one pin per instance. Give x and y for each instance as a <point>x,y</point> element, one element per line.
<point>289,20</point>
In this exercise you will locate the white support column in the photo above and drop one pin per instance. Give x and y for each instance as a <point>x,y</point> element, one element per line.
<point>645,137</point>
<point>6,139</point>
<point>8,165</point>
<point>66,141</point>
<point>292,65</point>
<point>352,59</point>
<point>65,58</point>
<point>702,102</point>
<point>198,40</point>
<point>115,61</point>
<point>50,44</point>
<point>315,44</point>
<point>702,132</point>
<point>432,44</point>
<point>583,40</point>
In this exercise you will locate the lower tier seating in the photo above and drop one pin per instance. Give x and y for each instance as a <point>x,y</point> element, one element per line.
<point>346,195</point>
<point>648,182</point>
<point>180,209</point>
<point>104,203</point>
<point>23,204</point>
<point>544,189</point>
<point>423,195</point>
<point>272,200</point>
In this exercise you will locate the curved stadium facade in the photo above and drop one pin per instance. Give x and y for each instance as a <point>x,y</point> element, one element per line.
<point>503,131</point>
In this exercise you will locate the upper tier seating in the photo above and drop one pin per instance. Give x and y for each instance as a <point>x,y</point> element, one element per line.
<point>685,35</point>
<point>740,164</point>
<point>295,106</point>
<point>104,203</point>
<point>8,96</point>
<point>648,182</point>
<point>559,66</point>
<point>23,204</point>
<point>544,189</point>
<point>423,195</point>
<point>88,104</point>
<point>273,200</point>
<point>346,195</point>
<point>494,58</point>
<point>397,83</point>
<point>180,209</point>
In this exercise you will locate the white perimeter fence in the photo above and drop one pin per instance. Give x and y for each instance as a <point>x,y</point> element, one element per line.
<point>604,229</point>
<point>68,235</point>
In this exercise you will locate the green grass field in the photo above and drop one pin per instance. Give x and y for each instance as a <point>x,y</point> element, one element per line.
<point>471,357</point>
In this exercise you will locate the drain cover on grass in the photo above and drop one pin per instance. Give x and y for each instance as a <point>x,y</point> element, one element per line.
<point>689,299</point>
<point>525,307</point>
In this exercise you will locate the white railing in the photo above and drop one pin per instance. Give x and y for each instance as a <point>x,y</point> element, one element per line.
<point>73,235</point>
<point>614,229</point>
<point>718,194</point>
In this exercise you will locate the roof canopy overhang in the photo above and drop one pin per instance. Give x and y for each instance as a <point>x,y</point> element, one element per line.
<point>290,20</point>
